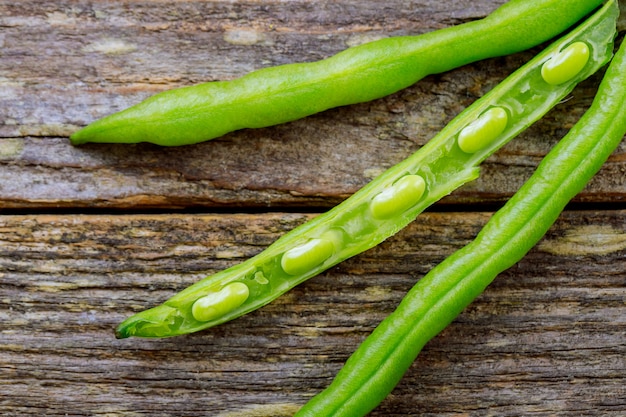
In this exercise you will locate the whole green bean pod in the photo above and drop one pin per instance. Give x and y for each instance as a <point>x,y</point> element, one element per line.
<point>284,93</point>
<point>396,197</point>
<point>381,360</point>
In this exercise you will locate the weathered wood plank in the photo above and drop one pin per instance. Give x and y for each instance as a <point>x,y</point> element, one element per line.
<point>63,64</point>
<point>546,338</point>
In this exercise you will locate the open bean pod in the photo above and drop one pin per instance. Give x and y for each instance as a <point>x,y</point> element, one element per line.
<point>395,198</point>
<point>379,363</point>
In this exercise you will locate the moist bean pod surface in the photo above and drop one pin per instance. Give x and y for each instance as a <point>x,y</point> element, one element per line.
<point>284,93</point>
<point>395,198</point>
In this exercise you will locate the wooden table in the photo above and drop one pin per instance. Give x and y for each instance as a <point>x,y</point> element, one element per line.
<point>91,234</point>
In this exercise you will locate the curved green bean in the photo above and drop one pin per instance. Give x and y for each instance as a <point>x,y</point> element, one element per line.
<point>284,93</point>
<point>388,203</point>
<point>379,363</point>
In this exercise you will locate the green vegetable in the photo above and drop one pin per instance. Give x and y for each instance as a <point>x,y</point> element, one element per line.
<point>565,64</point>
<point>388,203</point>
<point>216,304</point>
<point>399,197</point>
<point>280,94</point>
<point>379,363</point>
<point>303,258</point>
<point>484,130</point>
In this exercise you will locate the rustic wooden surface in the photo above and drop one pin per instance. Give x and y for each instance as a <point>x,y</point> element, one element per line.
<point>90,235</point>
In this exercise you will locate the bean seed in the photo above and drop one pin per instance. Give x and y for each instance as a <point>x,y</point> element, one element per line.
<point>483,130</point>
<point>566,64</point>
<point>307,256</point>
<point>398,198</point>
<point>218,303</point>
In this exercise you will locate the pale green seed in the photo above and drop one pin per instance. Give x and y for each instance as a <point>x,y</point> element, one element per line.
<point>221,302</point>
<point>260,278</point>
<point>401,196</point>
<point>305,257</point>
<point>484,130</point>
<point>566,64</point>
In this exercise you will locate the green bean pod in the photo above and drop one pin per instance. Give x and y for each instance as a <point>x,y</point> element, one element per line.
<point>381,360</point>
<point>389,202</point>
<point>288,92</point>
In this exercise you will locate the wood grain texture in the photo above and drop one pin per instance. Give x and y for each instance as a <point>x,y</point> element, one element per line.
<point>546,338</point>
<point>91,234</point>
<point>101,57</point>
